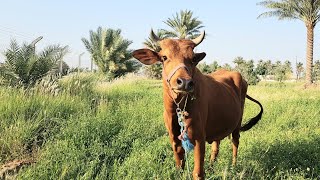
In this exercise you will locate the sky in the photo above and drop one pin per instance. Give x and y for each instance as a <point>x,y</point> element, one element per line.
<point>232,27</point>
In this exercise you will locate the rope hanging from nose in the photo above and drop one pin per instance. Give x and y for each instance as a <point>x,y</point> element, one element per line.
<point>185,140</point>
<point>181,113</point>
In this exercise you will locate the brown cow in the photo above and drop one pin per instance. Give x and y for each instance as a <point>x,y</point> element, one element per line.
<point>214,103</point>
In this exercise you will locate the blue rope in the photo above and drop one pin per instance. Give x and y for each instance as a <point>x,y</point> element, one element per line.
<point>185,140</point>
<point>186,143</point>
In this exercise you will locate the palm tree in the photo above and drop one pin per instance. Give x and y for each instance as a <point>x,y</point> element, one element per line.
<point>154,70</point>
<point>316,70</point>
<point>214,66</point>
<point>183,25</point>
<point>152,44</point>
<point>24,66</point>
<point>305,10</point>
<point>110,52</point>
<point>204,68</point>
<point>270,67</point>
<point>7,76</point>
<point>279,71</point>
<point>299,69</point>
<point>208,68</point>
<point>288,67</point>
<point>227,66</point>
<point>240,64</point>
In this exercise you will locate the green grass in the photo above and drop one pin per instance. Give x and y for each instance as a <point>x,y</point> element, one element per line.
<point>122,135</point>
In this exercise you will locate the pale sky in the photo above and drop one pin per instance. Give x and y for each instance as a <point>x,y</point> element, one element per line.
<point>232,27</point>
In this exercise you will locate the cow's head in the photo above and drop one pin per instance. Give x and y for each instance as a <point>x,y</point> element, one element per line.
<point>178,59</point>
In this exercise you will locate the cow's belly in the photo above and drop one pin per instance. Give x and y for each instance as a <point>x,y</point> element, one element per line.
<point>222,121</point>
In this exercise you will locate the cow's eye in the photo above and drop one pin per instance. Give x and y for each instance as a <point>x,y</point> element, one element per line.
<point>164,58</point>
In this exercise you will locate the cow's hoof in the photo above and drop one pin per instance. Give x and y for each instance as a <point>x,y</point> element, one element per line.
<point>196,176</point>
<point>213,159</point>
<point>234,162</point>
<point>180,165</point>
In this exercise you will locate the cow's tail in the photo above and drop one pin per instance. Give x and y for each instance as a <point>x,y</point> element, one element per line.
<point>253,121</point>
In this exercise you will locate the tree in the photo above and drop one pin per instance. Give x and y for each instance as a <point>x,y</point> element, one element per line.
<point>183,25</point>
<point>270,67</point>
<point>262,68</point>
<point>61,67</point>
<point>208,68</point>
<point>109,51</point>
<point>153,45</point>
<point>240,64</point>
<point>246,68</point>
<point>288,69</point>
<point>279,71</point>
<point>316,70</point>
<point>227,66</point>
<point>214,66</point>
<point>23,66</point>
<point>299,70</point>
<point>287,66</point>
<point>250,73</point>
<point>282,71</point>
<point>154,70</point>
<point>304,10</point>
<point>204,68</point>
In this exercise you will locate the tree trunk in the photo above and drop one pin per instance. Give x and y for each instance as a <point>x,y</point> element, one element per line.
<point>309,55</point>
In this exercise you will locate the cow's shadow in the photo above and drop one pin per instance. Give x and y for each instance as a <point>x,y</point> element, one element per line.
<point>288,157</point>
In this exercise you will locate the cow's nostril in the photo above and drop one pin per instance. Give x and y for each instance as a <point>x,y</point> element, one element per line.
<point>190,85</point>
<point>179,81</point>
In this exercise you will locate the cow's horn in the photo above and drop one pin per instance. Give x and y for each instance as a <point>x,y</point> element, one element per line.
<point>199,39</point>
<point>154,37</point>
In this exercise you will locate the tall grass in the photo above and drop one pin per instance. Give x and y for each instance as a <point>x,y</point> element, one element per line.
<point>122,135</point>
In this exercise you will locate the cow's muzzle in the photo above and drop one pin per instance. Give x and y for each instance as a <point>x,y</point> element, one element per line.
<point>185,85</point>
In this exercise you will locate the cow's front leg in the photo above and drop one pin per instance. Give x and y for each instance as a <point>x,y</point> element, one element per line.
<point>199,153</point>
<point>178,153</point>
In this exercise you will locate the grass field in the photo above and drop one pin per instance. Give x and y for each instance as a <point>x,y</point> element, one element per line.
<point>98,130</point>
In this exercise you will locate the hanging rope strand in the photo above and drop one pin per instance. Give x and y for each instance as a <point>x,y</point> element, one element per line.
<point>181,114</point>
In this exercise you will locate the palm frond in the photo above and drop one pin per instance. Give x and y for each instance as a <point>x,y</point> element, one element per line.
<point>24,65</point>
<point>151,44</point>
<point>304,10</point>
<point>183,25</point>
<point>7,76</point>
<point>108,49</point>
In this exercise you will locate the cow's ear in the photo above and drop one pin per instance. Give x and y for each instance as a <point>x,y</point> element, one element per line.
<point>146,56</point>
<point>198,57</point>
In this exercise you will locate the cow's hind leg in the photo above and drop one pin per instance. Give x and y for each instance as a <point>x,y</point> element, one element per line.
<point>235,145</point>
<point>214,150</point>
